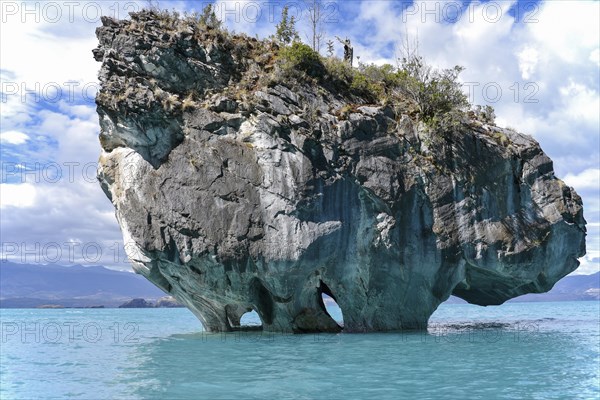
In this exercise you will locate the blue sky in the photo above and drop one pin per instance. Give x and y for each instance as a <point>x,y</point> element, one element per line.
<point>536,62</point>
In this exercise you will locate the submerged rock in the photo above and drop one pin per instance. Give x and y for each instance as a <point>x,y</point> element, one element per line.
<point>238,193</point>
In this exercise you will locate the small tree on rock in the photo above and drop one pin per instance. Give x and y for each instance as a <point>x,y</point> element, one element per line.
<point>485,114</point>
<point>435,92</point>
<point>330,49</point>
<point>316,16</point>
<point>286,29</point>
<point>208,18</point>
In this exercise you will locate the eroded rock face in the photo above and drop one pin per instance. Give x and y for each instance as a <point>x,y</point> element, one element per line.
<point>264,198</point>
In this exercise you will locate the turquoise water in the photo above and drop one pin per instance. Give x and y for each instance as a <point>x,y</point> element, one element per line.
<point>515,351</point>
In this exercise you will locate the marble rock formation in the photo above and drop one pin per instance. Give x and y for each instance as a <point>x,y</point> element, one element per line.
<point>238,191</point>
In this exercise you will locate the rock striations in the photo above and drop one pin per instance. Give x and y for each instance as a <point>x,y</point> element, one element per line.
<point>237,190</point>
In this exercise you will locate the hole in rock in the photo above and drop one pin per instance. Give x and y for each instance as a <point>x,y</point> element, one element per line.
<point>330,305</point>
<point>250,321</point>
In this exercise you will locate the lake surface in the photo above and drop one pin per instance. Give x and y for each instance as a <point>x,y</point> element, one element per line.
<point>518,350</point>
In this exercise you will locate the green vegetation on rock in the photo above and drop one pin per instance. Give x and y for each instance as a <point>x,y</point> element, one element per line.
<point>301,57</point>
<point>429,95</point>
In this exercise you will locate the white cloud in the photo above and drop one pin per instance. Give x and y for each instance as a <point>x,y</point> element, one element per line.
<point>528,60</point>
<point>484,23</point>
<point>21,195</point>
<point>590,264</point>
<point>49,59</point>
<point>13,137</point>
<point>588,179</point>
<point>595,56</point>
<point>71,212</point>
<point>580,102</point>
<point>567,30</point>
<point>72,209</point>
<point>61,201</point>
<point>58,38</point>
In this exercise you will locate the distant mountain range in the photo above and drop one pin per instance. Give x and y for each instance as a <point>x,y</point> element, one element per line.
<point>27,285</point>
<point>575,287</point>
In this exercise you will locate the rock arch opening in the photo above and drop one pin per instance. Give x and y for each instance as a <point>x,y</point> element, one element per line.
<point>243,318</point>
<point>329,304</point>
<point>250,320</point>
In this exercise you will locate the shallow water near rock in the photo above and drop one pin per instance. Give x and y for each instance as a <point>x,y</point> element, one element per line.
<point>518,350</point>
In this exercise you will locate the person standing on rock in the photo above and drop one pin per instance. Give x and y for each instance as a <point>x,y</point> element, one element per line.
<point>348,50</point>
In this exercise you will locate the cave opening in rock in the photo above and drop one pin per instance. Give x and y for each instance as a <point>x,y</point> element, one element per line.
<point>329,304</point>
<point>250,321</point>
<point>242,318</point>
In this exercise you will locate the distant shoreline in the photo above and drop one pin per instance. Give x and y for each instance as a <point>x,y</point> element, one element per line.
<point>53,304</point>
